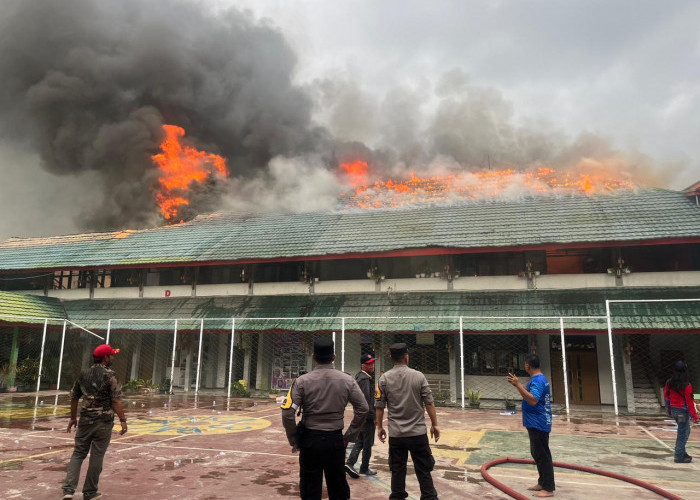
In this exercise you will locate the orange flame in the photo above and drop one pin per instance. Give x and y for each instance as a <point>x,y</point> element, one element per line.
<point>356,172</point>
<point>471,185</point>
<point>180,166</point>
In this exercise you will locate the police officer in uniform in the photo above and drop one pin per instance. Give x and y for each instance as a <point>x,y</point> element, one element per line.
<point>102,398</point>
<point>405,393</point>
<point>322,396</point>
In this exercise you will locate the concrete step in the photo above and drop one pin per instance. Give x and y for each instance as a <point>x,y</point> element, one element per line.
<point>645,393</point>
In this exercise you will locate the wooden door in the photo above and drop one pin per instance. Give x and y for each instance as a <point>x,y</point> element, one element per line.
<point>584,388</point>
<point>582,375</point>
<point>557,381</point>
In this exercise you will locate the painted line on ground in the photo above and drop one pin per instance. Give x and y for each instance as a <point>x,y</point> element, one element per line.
<point>53,452</point>
<point>610,483</point>
<point>664,444</point>
<point>154,444</point>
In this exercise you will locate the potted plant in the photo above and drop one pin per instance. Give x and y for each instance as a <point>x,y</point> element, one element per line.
<point>27,374</point>
<point>4,371</point>
<point>240,389</point>
<point>49,373</point>
<point>509,404</point>
<point>164,386</point>
<point>474,398</point>
<point>136,385</point>
<point>442,397</point>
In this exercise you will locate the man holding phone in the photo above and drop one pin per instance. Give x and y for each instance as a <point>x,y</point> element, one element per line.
<point>537,419</point>
<point>102,398</point>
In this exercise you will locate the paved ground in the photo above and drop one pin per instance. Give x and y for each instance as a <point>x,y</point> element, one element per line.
<point>206,449</point>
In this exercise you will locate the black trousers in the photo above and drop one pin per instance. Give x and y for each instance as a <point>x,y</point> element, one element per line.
<point>322,453</point>
<point>423,463</point>
<point>539,449</point>
<point>364,443</point>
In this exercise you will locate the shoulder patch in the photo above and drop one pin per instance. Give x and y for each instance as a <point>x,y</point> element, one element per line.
<point>287,402</point>
<point>377,393</point>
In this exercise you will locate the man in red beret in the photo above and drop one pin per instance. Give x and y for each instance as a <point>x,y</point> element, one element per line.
<point>102,398</point>
<point>365,440</point>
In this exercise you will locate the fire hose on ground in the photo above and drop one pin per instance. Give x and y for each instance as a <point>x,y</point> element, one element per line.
<point>510,491</point>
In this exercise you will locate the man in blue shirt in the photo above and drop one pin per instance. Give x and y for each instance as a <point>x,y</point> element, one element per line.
<point>537,419</point>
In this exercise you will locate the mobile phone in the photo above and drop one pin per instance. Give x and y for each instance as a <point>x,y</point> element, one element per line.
<point>511,372</point>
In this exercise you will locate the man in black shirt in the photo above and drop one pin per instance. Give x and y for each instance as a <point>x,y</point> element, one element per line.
<point>365,440</point>
<point>102,398</point>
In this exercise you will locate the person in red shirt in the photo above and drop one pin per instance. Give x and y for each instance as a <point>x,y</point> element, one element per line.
<point>678,394</point>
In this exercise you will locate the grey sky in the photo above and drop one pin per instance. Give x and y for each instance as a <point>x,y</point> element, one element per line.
<point>626,70</point>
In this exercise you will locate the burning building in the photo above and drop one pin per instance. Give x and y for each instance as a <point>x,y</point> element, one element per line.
<point>471,286</point>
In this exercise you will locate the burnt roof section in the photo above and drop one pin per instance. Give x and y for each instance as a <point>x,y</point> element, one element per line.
<point>647,216</point>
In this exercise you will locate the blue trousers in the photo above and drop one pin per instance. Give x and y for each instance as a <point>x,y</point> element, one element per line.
<point>682,418</point>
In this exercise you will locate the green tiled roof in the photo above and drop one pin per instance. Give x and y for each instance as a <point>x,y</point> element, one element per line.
<point>323,312</point>
<point>18,308</point>
<point>642,215</point>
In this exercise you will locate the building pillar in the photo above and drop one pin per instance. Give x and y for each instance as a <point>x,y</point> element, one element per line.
<point>14,354</point>
<point>455,381</point>
<point>222,359</point>
<point>157,363</point>
<point>88,349</point>
<point>353,348</point>
<point>264,364</point>
<point>629,381</point>
<point>543,350</point>
<point>136,358</point>
<point>188,369</point>
<point>247,346</point>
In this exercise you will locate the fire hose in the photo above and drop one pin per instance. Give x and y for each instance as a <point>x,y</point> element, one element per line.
<point>509,491</point>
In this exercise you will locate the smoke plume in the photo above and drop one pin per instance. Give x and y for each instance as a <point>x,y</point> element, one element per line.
<point>87,85</point>
<point>90,83</point>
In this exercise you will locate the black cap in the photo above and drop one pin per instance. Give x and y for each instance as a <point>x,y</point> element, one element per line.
<point>398,350</point>
<point>323,350</point>
<point>367,358</point>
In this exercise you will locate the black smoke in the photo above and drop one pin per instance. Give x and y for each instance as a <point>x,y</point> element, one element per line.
<point>89,84</point>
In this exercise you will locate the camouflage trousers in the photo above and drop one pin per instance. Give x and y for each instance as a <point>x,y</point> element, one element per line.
<point>91,436</point>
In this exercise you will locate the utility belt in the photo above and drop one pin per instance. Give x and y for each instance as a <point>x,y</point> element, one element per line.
<point>304,432</point>
<point>97,415</point>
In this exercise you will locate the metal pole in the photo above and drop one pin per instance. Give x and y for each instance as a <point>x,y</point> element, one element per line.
<point>563,363</point>
<point>41,357</point>
<point>199,357</point>
<point>612,355</point>
<point>342,343</point>
<point>230,356</point>
<point>60,357</point>
<point>109,329</point>
<point>461,356</point>
<point>172,364</point>
<point>60,365</point>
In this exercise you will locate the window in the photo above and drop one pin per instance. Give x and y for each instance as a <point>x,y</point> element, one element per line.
<point>170,276</point>
<point>430,359</point>
<point>125,277</point>
<point>33,281</point>
<point>65,280</point>
<point>215,275</point>
<point>103,278</point>
<point>495,354</point>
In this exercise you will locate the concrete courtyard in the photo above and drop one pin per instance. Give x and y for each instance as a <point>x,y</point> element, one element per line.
<point>207,448</point>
